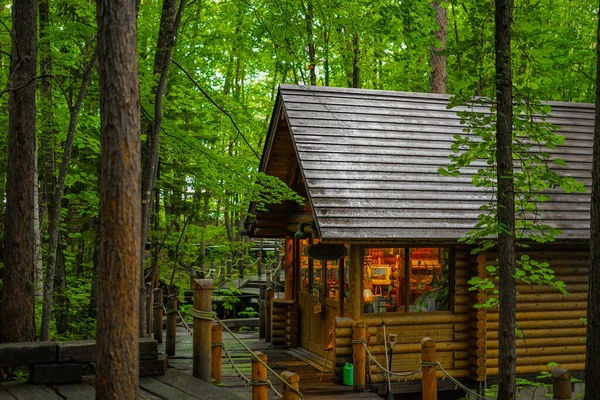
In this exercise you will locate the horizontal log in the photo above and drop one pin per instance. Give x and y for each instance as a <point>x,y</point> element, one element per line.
<point>344,322</point>
<point>539,342</point>
<point>413,318</point>
<point>277,340</point>
<point>570,287</point>
<point>153,367</point>
<point>27,353</point>
<point>292,329</point>
<point>542,360</point>
<point>539,351</point>
<point>343,351</point>
<point>536,369</point>
<point>278,325</point>
<point>416,347</point>
<point>278,318</point>
<point>542,324</point>
<point>558,306</point>
<point>541,315</point>
<point>544,333</point>
<point>347,332</point>
<point>55,374</point>
<point>456,373</point>
<point>278,333</point>
<point>551,297</point>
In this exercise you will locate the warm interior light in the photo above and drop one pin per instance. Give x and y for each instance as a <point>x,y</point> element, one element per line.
<point>368,295</point>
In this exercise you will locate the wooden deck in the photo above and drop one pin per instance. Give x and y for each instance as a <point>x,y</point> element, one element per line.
<point>179,384</point>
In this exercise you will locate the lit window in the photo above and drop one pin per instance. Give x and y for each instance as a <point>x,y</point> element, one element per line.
<point>405,280</point>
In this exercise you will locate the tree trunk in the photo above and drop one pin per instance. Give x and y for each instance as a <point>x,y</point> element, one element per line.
<point>49,129</point>
<point>166,41</point>
<point>355,62</point>
<point>506,205</point>
<point>19,256</point>
<point>54,223</point>
<point>120,192</point>
<point>309,16</point>
<point>437,60</point>
<point>62,302</point>
<point>38,290</point>
<point>592,361</point>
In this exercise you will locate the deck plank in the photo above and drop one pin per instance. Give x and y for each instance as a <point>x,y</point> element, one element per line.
<point>76,391</point>
<point>194,387</point>
<point>5,395</point>
<point>23,391</point>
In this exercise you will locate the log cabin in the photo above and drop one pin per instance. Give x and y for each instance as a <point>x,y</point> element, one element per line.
<point>366,161</point>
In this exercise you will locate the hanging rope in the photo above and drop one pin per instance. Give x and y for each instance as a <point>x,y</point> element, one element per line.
<point>211,316</point>
<point>455,381</point>
<point>400,375</point>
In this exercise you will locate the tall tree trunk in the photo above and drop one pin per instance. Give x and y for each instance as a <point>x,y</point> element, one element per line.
<point>38,290</point>
<point>592,361</point>
<point>60,286</point>
<point>92,311</point>
<point>309,16</point>
<point>506,205</point>
<point>54,223</point>
<point>169,26</point>
<point>19,256</point>
<point>355,62</point>
<point>49,130</point>
<point>437,59</point>
<point>120,192</point>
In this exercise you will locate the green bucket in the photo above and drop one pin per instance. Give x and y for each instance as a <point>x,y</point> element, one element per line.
<point>348,374</point>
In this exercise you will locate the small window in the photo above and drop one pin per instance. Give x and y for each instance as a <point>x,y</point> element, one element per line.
<point>405,280</point>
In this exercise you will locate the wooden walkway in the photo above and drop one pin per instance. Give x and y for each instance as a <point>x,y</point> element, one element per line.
<point>178,383</point>
<point>278,358</point>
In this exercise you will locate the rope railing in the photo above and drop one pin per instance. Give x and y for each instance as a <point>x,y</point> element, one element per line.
<point>422,365</point>
<point>211,316</point>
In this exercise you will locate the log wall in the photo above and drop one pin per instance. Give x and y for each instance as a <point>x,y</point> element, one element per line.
<point>549,323</point>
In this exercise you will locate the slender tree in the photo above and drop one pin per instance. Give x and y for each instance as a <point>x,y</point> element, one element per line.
<point>506,205</point>
<point>16,309</point>
<point>120,212</point>
<point>592,361</point>
<point>437,59</point>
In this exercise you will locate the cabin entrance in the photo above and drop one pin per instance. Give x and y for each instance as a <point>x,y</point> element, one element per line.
<point>322,294</point>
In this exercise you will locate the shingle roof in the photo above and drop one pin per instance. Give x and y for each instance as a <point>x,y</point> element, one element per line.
<point>370,159</point>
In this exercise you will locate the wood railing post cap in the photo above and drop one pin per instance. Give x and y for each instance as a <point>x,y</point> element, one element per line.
<point>290,377</point>
<point>203,284</point>
<point>427,342</point>
<point>557,372</point>
<point>259,354</point>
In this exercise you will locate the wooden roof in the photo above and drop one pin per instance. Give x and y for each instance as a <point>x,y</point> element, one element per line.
<point>369,159</point>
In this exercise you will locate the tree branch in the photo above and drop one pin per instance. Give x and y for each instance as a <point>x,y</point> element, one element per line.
<point>239,132</point>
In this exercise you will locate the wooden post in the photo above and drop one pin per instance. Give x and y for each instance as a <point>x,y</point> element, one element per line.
<point>259,263</point>
<point>262,312</point>
<point>341,286</point>
<point>356,281</point>
<point>429,380</point>
<point>217,351</point>
<point>202,342</point>
<point>229,265</point>
<point>172,304</point>
<point>289,267</point>
<point>359,333</point>
<point>268,311</point>
<point>561,384</point>
<point>294,380</point>
<point>158,315</point>
<point>222,272</point>
<point>149,308</point>
<point>260,390</point>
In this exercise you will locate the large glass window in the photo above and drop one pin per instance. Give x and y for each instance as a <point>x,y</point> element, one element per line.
<point>405,280</point>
